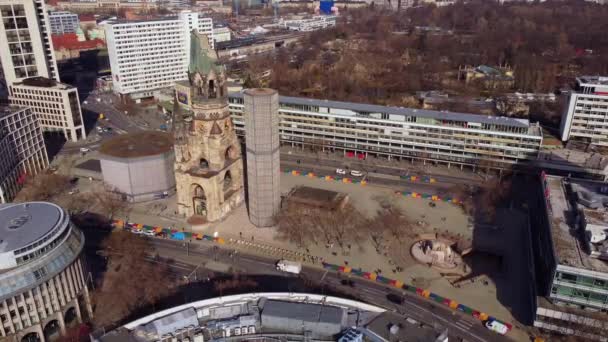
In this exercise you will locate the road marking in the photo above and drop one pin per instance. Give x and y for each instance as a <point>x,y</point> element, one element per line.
<point>324,274</point>
<point>448,323</point>
<point>255,261</point>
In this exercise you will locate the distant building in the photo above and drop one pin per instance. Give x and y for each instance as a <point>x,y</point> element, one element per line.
<point>222,34</point>
<point>63,22</point>
<point>87,20</point>
<point>585,117</point>
<point>488,77</point>
<point>310,24</point>
<point>68,46</point>
<point>571,250</point>
<point>139,165</point>
<point>22,150</point>
<point>146,56</point>
<point>56,105</point>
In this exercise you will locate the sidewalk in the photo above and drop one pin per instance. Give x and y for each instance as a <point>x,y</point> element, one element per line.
<point>372,162</point>
<point>241,234</point>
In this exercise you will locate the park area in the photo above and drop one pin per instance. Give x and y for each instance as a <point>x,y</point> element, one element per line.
<point>374,232</point>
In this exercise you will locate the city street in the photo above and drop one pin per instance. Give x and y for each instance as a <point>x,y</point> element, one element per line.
<point>196,260</point>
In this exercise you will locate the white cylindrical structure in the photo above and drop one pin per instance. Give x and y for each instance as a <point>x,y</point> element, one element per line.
<point>263,155</point>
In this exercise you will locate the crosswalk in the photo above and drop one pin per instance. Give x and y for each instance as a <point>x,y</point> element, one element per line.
<point>464,324</point>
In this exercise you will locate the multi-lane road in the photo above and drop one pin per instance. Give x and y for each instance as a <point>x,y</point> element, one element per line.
<point>198,260</point>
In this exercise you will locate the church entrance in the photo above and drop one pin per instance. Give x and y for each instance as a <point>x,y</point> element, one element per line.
<point>199,201</point>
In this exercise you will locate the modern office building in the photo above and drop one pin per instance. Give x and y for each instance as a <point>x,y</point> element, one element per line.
<point>359,130</point>
<point>263,155</point>
<point>63,22</point>
<point>586,117</point>
<point>22,149</point>
<point>42,272</point>
<point>26,49</point>
<point>570,252</point>
<point>273,316</point>
<point>149,55</point>
<point>55,104</point>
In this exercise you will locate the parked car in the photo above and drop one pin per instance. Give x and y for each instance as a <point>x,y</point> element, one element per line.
<point>341,171</point>
<point>136,231</point>
<point>149,233</point>
<point>394,298</point>
<point>85,149</point>
<point>356,173</point>
<point>347,282</point>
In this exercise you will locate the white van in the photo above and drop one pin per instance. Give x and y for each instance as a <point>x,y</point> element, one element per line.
<point>497,327</point>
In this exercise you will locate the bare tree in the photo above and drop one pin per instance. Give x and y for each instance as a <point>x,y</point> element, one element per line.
<point>111,204</point>
<point>130,281</point>
<point>302,225</point>
<point>392,221</point>
<point>42,187</point>
<point>292,225</point>
<point>78,203</point>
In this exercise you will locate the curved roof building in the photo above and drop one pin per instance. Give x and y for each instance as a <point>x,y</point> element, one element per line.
<point>41,271</point>
<point>274,316</point>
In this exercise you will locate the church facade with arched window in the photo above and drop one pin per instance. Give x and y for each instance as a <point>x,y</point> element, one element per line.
<point>208,161</point>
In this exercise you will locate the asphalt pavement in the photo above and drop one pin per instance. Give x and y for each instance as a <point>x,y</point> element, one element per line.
<point>193,260</point>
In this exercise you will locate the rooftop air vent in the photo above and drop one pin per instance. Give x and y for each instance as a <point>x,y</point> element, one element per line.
<point>18,222</point>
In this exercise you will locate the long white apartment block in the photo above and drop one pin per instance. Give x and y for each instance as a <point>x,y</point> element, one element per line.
<point>586,117</point>
<point>149,55</point>
<point>56,105</point>
<point>360,130</point>
<point>26,49</point>
<point>22,150</point>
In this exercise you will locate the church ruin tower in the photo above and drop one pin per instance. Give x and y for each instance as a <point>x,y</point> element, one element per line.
<point>208,162</point>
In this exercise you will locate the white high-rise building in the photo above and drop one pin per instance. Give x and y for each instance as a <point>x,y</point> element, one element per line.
<point>586,117</point>
<point>149,55</point>
<point>26,49</point>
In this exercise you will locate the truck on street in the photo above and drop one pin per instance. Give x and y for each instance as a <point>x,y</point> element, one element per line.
<point>289,266</point>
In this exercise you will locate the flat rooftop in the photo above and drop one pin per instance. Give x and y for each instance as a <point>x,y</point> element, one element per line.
<point>401,111</point>
<point>136,21</point>
<point>42,82</point>
<point>23,223</point>
<point>135,145</point>
<point>568,241</point>
<point>593,80</point>
<point>405,330</point>
<point>306,312</point>
<point>316,197</point>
